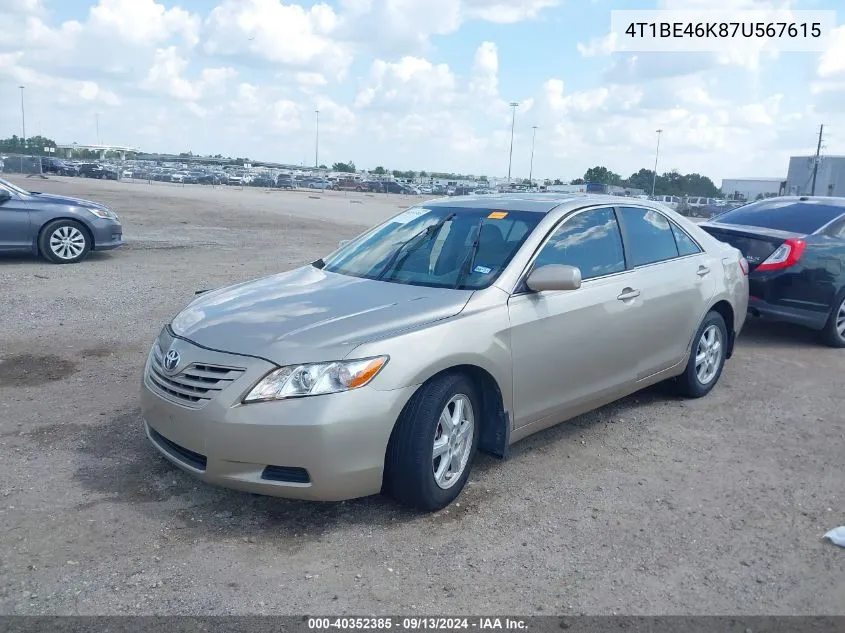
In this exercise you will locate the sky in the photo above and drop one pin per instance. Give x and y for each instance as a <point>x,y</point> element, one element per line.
<point>415,84</point>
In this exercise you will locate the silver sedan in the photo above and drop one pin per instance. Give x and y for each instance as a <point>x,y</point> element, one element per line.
<point>460,325</point>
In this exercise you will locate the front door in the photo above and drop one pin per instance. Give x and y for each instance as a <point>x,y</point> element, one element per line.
<point>14,223</point>
<point>573,347</point>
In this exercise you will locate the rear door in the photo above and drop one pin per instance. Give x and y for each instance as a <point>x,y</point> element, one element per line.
<point>676,280</point>
<point>15,234</point>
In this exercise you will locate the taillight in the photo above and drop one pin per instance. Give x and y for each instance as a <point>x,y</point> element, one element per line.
<point>786,255</point>
<point>743,264</point>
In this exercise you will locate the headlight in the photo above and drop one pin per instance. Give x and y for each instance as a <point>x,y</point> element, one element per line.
<point>296,381</point>
<point>104,213</point>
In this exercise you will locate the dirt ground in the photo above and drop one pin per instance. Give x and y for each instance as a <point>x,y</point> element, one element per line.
<point>653,505</point>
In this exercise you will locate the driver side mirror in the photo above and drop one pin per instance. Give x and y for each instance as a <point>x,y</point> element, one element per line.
<point>4,196</point>
<point>554,277</point>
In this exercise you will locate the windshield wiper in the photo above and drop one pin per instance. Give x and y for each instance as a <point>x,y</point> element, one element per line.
<point>469,260</point>
<point>420,239</point>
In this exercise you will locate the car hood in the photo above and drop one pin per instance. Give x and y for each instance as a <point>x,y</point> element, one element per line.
<point>49,198</point>
<point>310,315</point>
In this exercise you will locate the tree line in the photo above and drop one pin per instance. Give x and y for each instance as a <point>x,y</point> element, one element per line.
<point>670,183</point>
<point>32,145</point>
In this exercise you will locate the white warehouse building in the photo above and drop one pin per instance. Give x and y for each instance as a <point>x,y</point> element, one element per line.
<point>750,188</point>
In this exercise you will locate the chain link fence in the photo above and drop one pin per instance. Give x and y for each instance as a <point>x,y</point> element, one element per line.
<point>21,164</point>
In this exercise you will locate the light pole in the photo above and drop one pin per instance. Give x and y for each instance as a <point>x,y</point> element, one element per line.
<point>531,168</point>
<point>317,139</point>
<point>23,121</point>
<point>97,119</point>
<point>656,154</point>
<point>513,105</point>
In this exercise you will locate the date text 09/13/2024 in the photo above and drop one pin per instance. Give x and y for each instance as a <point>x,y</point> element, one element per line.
<point>415,623</point>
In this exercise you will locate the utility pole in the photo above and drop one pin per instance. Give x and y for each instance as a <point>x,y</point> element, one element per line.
<point>531,168</point>
<point>23,120</point>
<point>317,139</point>
<point>97,119</point>
<point>513,105</point>
<point>816,161</point>
<point>656,154</point>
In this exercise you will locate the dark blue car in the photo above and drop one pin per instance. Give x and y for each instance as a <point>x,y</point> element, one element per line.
<point>62,230</point>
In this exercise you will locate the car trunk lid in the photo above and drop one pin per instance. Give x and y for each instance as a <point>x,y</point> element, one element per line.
<point>756,243</point>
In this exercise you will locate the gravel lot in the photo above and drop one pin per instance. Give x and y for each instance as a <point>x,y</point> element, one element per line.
<point>649,506</point>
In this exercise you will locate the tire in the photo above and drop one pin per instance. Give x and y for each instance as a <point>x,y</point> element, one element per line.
<point>833,333</point>
<point>410,465</point>
<point>695,382</point>
<point>64,242</point>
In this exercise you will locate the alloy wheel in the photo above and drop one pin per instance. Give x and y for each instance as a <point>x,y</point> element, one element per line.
<point>453,441</point>
<point>67,242</point>
<point>840,321</point>
<point>708,354</point>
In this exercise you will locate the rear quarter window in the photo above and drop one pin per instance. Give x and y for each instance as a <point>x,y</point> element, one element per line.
<point>793,216</point>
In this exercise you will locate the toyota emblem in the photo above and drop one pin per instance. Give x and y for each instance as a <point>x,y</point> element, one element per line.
<point>171,360</point>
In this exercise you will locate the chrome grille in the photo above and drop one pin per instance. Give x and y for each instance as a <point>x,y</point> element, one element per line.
<point>195,385</point>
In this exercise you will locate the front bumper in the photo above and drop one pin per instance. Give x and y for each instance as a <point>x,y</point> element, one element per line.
<point>328,448</point>
<point>108,235</point>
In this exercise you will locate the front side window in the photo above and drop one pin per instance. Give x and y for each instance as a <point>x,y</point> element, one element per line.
<point>590,241</point>
<point>650,238</point>
<point>434,247</point>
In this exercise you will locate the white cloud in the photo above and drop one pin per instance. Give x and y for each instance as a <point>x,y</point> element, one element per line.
<point>485,75</point>
<point>142,21</point>
<point>311,79</point>
<point>166,76</point>
<point>410,80</point>
<point>271,31</point>
<point>598,46</point>
<point>832,61</point>
<point>507,12</point>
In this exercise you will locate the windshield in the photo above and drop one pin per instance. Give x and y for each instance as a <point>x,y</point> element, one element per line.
<point>802,216</point>
<point>441,257</point>
<point>15,188</point>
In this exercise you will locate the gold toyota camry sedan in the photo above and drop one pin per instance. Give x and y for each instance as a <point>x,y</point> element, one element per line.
<point>460,325</point>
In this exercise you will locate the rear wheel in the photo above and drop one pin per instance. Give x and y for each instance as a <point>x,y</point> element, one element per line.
<point>833,333</point>
<point>706,359</point>
<point>430,453</point>
<point>64,242</point>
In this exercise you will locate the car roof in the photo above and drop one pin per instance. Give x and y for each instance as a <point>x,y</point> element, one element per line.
<point>534,202</point>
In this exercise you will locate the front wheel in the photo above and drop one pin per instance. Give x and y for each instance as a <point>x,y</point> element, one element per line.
<point>64,242</point>
<point>430,453</point>
<point>707,358</point>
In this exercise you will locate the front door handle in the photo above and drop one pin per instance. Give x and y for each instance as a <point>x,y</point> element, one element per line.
<point>628,294</point>
<point>703,270</point>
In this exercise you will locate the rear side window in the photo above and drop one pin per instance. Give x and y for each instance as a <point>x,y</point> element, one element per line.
<point>686,246</point>
<point>650,236</point>
<point>793,216</point>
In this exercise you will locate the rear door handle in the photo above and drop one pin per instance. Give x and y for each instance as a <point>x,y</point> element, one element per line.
<point>703,270</point>
<point>628,294</point>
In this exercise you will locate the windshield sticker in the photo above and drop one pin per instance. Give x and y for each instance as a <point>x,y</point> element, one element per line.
<point>409,215</point>
<point>484,270</point>
<point>497,215</point>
